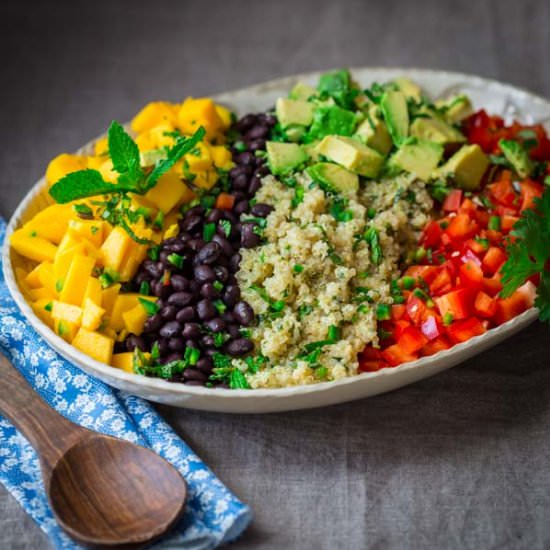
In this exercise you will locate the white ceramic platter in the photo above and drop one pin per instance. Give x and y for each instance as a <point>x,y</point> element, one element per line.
<point>496,98</point>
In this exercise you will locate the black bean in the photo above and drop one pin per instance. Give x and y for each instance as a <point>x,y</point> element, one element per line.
<point>191,344</point>
<point>205,364</point>
<point>228,317</point>
<point>142,277</point>
<point>214,215</point>
<point>162,344</point>
<point>191,223</point>
<point>168,313</point>
<point>179,282</point>
<point>243,313</point>
<point>240,182</point>
<point>170,329</point>
<point>207,341</point>
<point>210,352</point>
<point>216,325</point>
<point>134,341</point>
<point>241,207</point>
<point>180,299</point>
<point>256,145</point>
<point>234,262</point>
<point>254,185</point>
<point>224,244</point>
<point>193,383</point>
<point>208,290</point>
<point>194,375</point>
<point>245,158</point>
<point>249,239</point>
<point>239,347</point>
<point>233,331</point>
<point>261,172</point>
<point>195,244</point>
<point>240,170</point>
<point>175,246</point>
<point>206,310</point>
<point>261,210</point>
<point>184,236</point>
<point>204,274</point>
<point>197,210</point>
<point>229,216</point>
<point>176,344</point>
<point>246,122</point>
<point>257,132</point>
<point>153,323</point>
<point>191,330</point>
<point>153,268</point>
<point>222,273</point>
<point>209,253</point>
<point>185,314</point>
<point>160,289</point>
<point>194,287</point>
<point>174,356</point>
<point>231,295</point>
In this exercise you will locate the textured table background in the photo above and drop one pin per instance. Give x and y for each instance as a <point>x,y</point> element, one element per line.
<point>457,461</point>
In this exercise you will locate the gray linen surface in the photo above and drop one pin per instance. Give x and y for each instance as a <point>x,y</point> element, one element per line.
<point>461,460</point>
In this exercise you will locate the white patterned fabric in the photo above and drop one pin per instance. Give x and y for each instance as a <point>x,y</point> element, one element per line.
<point>213,515</point>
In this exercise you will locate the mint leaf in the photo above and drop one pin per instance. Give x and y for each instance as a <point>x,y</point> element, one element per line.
<point>124,155</point>
<point>84,183</point>
<point>183,145</point>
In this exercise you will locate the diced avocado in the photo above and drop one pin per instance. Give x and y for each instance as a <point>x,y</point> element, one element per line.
<point>409,88</point>
<point>293,112</point>
<point>295,133</point>
<point>352,154</point>
<point>396,114</point>
<point>517,156</point>
<point>455,109</point>
<point>337,84</point>
<point>284,157</point>
<point>466,167</point>
<point>302,91</point>
<point>334,178</point>
<point>374,133</point>
<point>417,156</point>
<point>437,130</point>
<point>332,121</point>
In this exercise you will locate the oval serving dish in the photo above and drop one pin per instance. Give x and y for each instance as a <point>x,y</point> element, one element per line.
<point>502,99</point>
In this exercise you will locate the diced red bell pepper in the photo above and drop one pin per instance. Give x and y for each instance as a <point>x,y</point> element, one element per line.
<point>431,234</point>
<point>484,305</point>
<point>442,283</point>
<point>457,303</point>
<point>370,359</point>
<point>507,222</point>
<point>395,355</point>
<point>225,201</point>
<point>530,190</point>
<point>398,311</point>
<point>417,309</point>
<point>467,206</point>
<point>471,274</point>
<point>461,227</point>
<point>478,248</point>
<point>439,344</point>
<point>411,340</point>
<point>521,300</point>
<point>502,191</point>
<point>452,201</point>
<point>399,327</point>
<point>463,330</point>
<point>492,285</point>
<point>372,366</point>
<point>426,272</point>
<point>493,259</point>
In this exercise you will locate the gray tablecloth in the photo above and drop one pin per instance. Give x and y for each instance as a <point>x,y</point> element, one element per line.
<point>457,461</point>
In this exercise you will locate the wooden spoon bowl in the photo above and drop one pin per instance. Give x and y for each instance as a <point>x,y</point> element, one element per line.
<point>103,491</point>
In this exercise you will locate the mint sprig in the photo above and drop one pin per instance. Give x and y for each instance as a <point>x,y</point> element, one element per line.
<point>124,155</point>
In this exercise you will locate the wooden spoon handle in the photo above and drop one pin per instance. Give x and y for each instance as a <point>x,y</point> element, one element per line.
<point>48,432</point>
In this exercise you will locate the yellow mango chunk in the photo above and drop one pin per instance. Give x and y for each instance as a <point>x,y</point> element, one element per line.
<point>92,230</point>
<point>134,319</point>
<point>96,345</point>
<point>114,248</point>
<point>93,291</point>
<point>122,304</point>
<point>94,162</point>
<point>46,276</point>
<point>108,297</point>
<point>32,246</point>
<point>40,308</point>
<point>199,158</point>
<point>40,293</point>
<point>101,146</point>
<point>92,315</point>
<point>145,141</point>
<point>131,262</point>
<point>153,114</point>
<point>31,279</point>
<point>66,312</point>
<point>51,223</point>
<point>63,260</point>
<point>107,171</point>
<point>221,156</point>
<point>171,231</point>
<point>62,165</point>
<point>206,180</point>
<point>75,281</point>
<point>225,116</point>
<point>124,361</point>
<point>199,112</point>
<point>169,191</point>
<point>65,329</point>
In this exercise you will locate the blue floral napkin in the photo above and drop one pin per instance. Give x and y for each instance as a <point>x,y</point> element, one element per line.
<point>213,515</point>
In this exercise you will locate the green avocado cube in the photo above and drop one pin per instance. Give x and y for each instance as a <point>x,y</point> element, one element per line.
<point>517,156</point>
<point>409,88</point>
<point>418,157</point>
<point>466,167</point>
<point>302,91</point>
<point>282,158</point>
<point>396,114</point>
<point>292,112</point>
<point>455,109</point>
<point>351,154</point>
<point>333,178</point>
<point>437,130</point>
<point>374,133</point>
<point>332,120</point>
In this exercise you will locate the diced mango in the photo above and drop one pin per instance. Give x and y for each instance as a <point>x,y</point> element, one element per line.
<point>169,191</point>
<point>94,344</point>
<point>161,135</point>
<point>94,162</point>
<point>132,261</point>
<point>153,114</point>
<point>89,229</point>
<point>101,146</point>
<point>124,303</point>
<point>51,223</point>
<point>65,329</point>
<point>63,260</point>
<point>31,279</point>
<point>108,297</point>
<point>134,319</point>
<point>46,276</point>
<point>172,231</point>
<point>40,293</point>
<point>199,158</point>
<point>74,284</point>
<point>221,156</point>
<point>66,312</point>
<point>62,165</point>
<point>225,116</point>
<point>145,141</point>
<point>32,246</point>
<point>124,361</point>
<point>199,112</point>
<point>40,308</point>
<point>92,315</point>
<point>107,171</point>
<point>93,291</point>
<point>206,180</point>
<point>114,248</point>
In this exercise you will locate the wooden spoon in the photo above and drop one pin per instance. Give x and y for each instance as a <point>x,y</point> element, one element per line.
<point>103,491</point>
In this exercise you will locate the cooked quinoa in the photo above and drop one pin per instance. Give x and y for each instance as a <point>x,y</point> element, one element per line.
<point>317,276</point>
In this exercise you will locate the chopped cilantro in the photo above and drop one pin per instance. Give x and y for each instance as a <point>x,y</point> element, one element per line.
<point>150,307</point>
